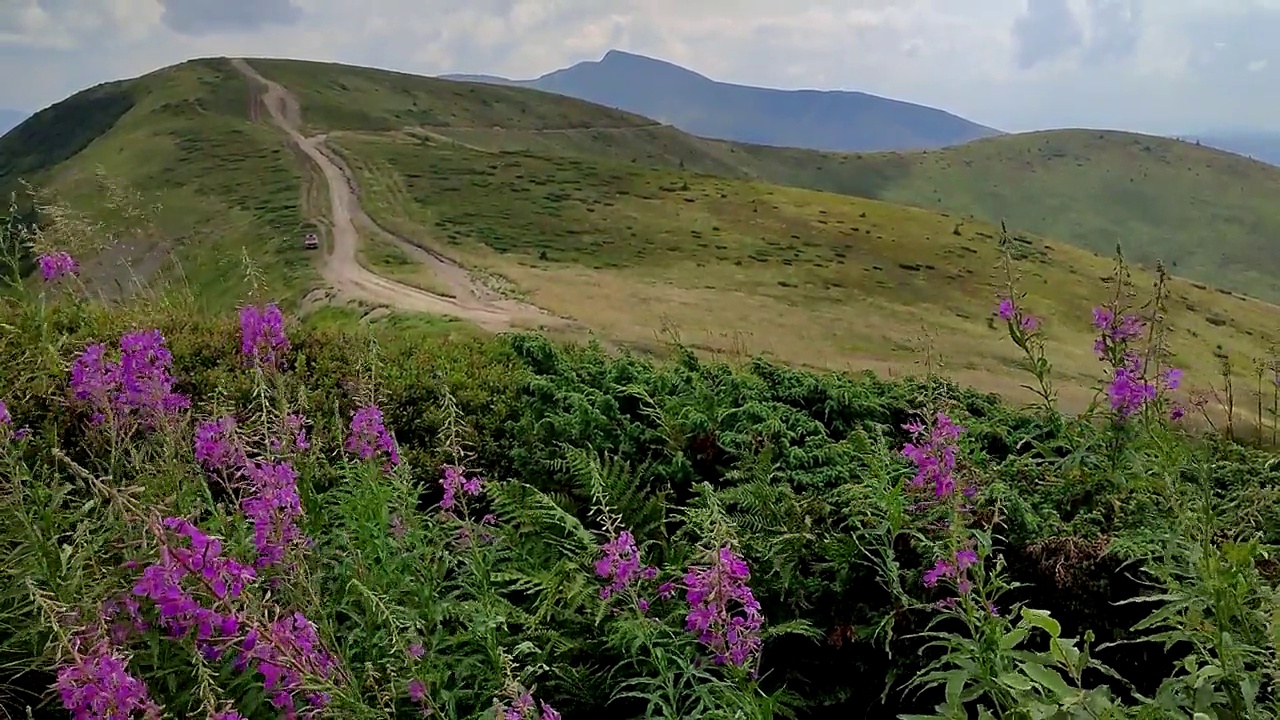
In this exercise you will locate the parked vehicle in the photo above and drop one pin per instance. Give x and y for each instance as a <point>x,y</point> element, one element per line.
<point>311,242</point>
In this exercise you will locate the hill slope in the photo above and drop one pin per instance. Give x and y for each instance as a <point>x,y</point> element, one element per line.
<point>1209,215</point>
<point>817,119</point>
<point>167,167</point>
<point>585,212</point>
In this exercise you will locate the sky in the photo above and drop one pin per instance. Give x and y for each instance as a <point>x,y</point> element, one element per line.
<point>1160,66</point>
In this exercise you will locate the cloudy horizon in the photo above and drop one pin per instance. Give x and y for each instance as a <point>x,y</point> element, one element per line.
<point>1178,66</point>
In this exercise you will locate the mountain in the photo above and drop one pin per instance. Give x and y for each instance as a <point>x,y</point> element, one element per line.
<point>486,193</point>
<point>1264,146</point>
<point>9,119</point>
<point>817,119</point>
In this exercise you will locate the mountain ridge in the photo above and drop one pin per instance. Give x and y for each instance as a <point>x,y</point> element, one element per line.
<point>829,120</point>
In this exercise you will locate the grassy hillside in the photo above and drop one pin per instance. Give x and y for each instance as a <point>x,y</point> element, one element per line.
<point>632,228</point>
<point>190,178</point>
<point>1210,215</point>
<point>812,278</point>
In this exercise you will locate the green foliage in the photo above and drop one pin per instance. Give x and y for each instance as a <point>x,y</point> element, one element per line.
<point>800,473</point>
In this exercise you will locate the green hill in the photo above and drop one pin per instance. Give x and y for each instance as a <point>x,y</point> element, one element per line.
<point>1209,215</point>
<point>625,226</point>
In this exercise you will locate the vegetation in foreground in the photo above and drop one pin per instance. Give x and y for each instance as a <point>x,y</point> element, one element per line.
<point>205,520</point>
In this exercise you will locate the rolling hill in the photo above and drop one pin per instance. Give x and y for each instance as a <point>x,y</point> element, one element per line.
<point>621,224</point>
<point>816,119</point>
<point>1209,215</point>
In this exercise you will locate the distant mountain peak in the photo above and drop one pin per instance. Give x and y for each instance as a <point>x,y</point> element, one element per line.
<point>840,120</point>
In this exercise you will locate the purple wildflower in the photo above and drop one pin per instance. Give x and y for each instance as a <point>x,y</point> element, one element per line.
<point>369,436</point>
<point>417,690</point>
<point>1009,311</point>
<point>1177,412</point>
<point>98,685</point>
<point>935,459</point>
<point>619,563</point>
<point>56,264</point>
<point>714,592</point>
<point>453,483</point>
<point>138,383</point>
<point>296,425</point>
<point>216,445</point>
<point>274,507</point>
<point>416,651</point>
<point>227,715</point>
<point>180,611</point>
<point>954,567</point>
<point>287,654</point>
<point>262,338</point>
<point>525,708</point>
<point>941,568</point>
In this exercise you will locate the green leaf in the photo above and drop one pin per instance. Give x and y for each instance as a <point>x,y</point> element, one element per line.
<point>1016,681</point>
<point>1041,619</point>
<point>1048,678</point>
<point>955,686</point>
<point>1013,638</point>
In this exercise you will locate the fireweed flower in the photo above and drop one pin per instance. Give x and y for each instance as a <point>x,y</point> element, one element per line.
<point>274,508</point>
<point>620,564</point>
<point>369,436</point>
<point>139,383</point>
<point>956,568</point>
<point>57,264</point>
<point>525,708</point>
<point>723,612</point>
<point>454,482</point>
<point>168,584</point>
<point>1128,389</point>
<point>296,425</point>
<point>216,445</point>
<point>935,459</point>
<point>1009,311</point>
<point>98,685</point>
<point>287,654</point>
<point>262,338</point>
<point>227,715</point>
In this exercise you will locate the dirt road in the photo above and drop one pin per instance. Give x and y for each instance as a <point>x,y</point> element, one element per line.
<point>473,301</point>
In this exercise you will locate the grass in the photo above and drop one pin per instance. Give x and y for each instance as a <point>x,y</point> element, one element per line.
<point>815,279</point>
<point>1208,215</point>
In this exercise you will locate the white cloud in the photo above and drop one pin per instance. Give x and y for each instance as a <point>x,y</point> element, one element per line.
<point>1159,66</point>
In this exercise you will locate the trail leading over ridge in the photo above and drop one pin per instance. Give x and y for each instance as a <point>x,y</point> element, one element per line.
<point>342,269</point>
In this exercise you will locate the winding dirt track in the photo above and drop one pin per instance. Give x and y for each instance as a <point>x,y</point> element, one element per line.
<point>473,301</point>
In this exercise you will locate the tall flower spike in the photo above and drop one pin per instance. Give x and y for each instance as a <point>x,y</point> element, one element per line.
<point>723,612</point>
<point>262,337</point>
<point>369,436</point>
<point>935,459</point>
